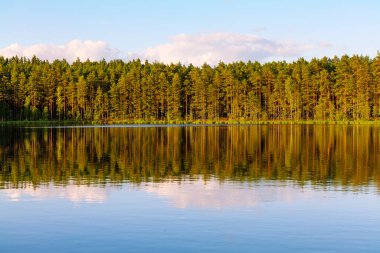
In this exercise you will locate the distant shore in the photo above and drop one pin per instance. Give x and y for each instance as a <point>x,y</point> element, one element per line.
<point>184,122</point>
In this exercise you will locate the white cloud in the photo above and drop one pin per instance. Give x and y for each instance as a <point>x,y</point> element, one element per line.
<point>196,49</point>
<point>87,49</point>
<point>227,47</point>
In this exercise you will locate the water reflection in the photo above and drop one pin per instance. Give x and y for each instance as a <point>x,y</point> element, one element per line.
<point>227,195</point>
<point>306,154</point>
<point>186,194</point>
<point>73,193</point>
<point>190,189</point>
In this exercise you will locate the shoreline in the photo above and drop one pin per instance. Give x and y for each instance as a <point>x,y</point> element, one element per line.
<point>183,122</point>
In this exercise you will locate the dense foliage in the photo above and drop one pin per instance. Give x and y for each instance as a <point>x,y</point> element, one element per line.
<point>346,88</point>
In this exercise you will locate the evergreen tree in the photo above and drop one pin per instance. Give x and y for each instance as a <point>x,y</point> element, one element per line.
<point>174,102</point>
<point>345,88</point>
<point>82,96</point>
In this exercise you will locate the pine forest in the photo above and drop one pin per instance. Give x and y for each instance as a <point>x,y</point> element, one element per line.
<point>327,89</point>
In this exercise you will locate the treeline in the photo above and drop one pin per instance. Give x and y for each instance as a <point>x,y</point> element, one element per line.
<point>346,88</point>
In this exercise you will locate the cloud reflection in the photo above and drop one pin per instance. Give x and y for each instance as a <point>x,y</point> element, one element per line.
<point>73,193</point>
<point>185,194</point>
<point>213,194</point>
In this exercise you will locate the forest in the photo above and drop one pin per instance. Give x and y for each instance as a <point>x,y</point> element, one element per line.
<point>329,89</point>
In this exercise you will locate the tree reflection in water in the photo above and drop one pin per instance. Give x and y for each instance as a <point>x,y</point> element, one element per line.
<point>323,155</point>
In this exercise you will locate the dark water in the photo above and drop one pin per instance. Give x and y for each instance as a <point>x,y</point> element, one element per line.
<point>300,188</point>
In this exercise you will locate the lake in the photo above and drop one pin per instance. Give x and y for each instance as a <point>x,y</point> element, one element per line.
<point>259,188</point>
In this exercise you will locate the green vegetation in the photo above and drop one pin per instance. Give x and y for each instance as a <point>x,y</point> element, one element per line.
<point>345,89</point>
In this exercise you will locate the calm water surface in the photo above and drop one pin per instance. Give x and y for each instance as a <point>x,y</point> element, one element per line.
<point>300,188</point>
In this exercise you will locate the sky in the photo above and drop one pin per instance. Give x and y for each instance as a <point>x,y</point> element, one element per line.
<point>193,31</point>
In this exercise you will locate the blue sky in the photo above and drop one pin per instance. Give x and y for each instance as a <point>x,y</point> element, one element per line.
<point>210,29</point>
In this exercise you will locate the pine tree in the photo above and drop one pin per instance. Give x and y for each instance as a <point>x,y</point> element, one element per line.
<point>82,96</point>
<point>174,102</point>
<point>60,102</point>
<point>99,105</point>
